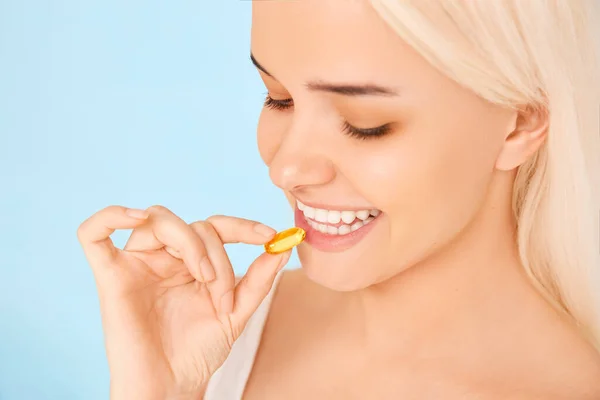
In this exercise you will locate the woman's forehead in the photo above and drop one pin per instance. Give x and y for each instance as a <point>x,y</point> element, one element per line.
<point>332,40</point>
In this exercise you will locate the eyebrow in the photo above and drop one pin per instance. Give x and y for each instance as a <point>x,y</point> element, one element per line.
<point>366,89</point>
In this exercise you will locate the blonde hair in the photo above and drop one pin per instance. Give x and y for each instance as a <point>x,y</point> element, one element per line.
<point>540,53</point>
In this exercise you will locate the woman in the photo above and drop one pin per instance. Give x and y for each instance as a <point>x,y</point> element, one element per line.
<point>442,157</point>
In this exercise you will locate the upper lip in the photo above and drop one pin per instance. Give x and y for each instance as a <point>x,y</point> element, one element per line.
<point>336,208</point>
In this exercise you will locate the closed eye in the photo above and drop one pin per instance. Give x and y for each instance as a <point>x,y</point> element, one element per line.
<point>278,104</point>
<point>359,133</point>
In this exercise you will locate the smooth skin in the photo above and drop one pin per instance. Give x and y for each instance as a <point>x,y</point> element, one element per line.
<point>432,304</point>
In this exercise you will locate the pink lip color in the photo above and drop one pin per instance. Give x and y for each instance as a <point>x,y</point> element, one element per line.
<point>331,243</point>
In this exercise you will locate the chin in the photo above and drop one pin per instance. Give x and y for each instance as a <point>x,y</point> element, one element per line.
<point>341,272</point>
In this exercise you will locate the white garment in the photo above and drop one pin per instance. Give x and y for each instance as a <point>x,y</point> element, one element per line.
<point>229,381</point>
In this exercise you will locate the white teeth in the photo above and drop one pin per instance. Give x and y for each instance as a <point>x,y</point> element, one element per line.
<point>363,214</point>
<point>309,212</point>
<point>321,215</point>
<point>353,220</point>
<point>334,217</point>
<point>348,216</point>
<point>356,226</point>
<point>344,230</point>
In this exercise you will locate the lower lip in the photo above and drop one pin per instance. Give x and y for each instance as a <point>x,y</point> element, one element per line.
<point>332,243</point>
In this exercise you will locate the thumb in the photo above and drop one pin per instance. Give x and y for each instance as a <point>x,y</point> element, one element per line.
<point>252,289</point>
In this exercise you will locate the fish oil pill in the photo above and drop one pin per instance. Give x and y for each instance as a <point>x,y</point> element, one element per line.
<point>285,240</point>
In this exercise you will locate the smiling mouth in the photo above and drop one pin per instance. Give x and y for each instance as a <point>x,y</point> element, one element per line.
<point>336,222</point>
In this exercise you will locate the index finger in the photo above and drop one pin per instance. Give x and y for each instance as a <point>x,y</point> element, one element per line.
<point>94,233</point>
<point>240,230</point>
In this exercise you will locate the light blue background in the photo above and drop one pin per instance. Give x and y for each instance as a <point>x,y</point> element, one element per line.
<point>112,102</point>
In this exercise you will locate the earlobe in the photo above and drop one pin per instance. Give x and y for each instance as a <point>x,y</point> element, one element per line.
<point>530,131</point>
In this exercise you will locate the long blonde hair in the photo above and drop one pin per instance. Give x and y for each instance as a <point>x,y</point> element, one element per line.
<point>540,53</point>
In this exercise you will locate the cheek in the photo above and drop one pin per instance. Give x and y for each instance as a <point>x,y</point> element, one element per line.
<point>430,182</point>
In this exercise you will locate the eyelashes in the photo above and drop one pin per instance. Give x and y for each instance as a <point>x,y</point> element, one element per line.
<point>365,133</point>
<point>278,104</point>
<point>359,133</point>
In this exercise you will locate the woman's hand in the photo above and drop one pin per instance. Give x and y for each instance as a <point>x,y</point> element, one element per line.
<point>170,307</point>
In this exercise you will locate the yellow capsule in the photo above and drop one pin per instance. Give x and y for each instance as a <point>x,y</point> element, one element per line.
<point>285,240</point>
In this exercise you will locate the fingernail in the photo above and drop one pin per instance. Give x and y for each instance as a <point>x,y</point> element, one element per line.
<point>226,306</point>
<point>264,230</point>
<point>135,213</point>
<point>207,270</point>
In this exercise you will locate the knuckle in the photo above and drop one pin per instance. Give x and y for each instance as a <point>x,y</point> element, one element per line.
<point>81,231</point>
<point>158,209</point>
<point>112,209</point>
<point>85,227</point>
<point>202,227</point>
<point>215,218</point>
<point>242,283</point>
<point>251,284</point>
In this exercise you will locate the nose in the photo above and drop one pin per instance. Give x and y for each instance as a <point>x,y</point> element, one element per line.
<point>300,161</point>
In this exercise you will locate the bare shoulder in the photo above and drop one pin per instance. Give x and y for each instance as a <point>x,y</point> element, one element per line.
<point>561,364</point>
<point>579,366</point>
<point>577,378</point>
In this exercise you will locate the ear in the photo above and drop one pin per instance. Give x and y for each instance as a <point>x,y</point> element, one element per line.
<point>530,131</point>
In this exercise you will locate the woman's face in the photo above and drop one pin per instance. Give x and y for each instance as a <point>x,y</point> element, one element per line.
<point>357,120</point>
